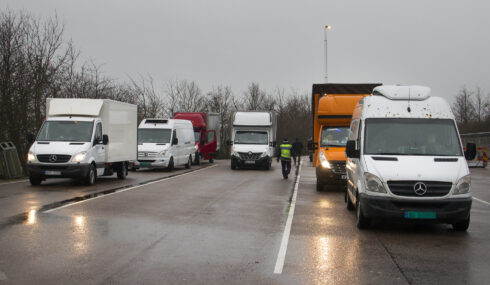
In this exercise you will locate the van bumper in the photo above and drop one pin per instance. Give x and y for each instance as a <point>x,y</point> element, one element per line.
<point>327,176</point>
<point>258,162</point>
<point>59,170</point>
<point>446,210</point>
<point>149,164</point>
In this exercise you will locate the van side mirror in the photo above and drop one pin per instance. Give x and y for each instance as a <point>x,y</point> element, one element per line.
<point>351,151</point>
<point>470,152</point>
<point>105,139</point>
<point>30,138</point>
<point>175,141</point>
<point>273,143</point>
<point>229,142</point>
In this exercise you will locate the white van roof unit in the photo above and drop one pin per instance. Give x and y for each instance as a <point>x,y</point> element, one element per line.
<point>396,92</point>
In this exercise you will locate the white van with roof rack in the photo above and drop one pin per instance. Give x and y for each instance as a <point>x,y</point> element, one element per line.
<point>405,160</point>
<point>165,143</point>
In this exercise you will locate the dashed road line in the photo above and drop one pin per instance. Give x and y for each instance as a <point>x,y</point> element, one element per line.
<point>281,256</point>
<point>481,201</point>
<point>12,182</point>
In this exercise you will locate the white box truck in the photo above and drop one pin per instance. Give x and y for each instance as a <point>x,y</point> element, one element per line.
<point>405,160</point>
<point>83,139</point>
<point>253,138</point>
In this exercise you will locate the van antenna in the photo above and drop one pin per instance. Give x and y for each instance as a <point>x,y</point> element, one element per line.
<point>408,108</point>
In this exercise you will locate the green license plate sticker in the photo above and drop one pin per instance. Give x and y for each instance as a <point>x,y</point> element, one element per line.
<point>420,215</point>
<point>145,164</point>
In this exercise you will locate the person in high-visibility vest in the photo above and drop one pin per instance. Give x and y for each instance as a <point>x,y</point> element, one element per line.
<point>285,156</point>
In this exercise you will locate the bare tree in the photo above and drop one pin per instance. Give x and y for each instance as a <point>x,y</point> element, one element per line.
<point>254,97</point>
<point>463,106</point>
<point>481,105</point>
<point>184,96</point>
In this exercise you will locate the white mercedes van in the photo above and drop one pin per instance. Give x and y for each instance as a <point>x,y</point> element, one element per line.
<point>165,143</point>
<point>405,160</point>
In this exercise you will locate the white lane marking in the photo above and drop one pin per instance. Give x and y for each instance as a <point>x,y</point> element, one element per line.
<point>281,256</point>
<point>130,188</point>
<point>3,277</point>
<point>14,182</point>
<point>481,201</point>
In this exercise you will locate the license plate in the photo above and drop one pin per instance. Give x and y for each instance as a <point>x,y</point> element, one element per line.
<point>145,164</point>
<point>249,161</point>
<point>51,172</point>
<point>420,215</point>
<point>342,176</point>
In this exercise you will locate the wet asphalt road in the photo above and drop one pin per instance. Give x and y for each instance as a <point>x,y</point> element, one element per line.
<point>218,226</point>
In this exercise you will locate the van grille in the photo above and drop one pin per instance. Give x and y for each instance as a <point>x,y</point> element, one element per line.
<point>406,188</point>
<point>338,167</point>
<point>53,158</point>
<point>249,156</point>
<point>146,154</point>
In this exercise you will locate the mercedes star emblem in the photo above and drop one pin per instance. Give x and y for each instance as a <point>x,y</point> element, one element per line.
<point>420,188</point>
<point>53,158</point>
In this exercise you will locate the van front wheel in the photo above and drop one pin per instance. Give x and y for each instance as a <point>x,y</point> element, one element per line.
<point>170,166</point>
<point>91,176</point>
<point>462,226</point>
<point>35,181</point>
<point>362,221</point>
<point>350,206</point>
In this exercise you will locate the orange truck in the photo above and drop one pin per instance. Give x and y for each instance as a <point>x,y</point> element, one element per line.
<point>332,108</point>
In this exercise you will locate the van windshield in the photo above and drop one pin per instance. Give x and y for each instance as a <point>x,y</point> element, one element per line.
<point>66,131</point>
<point>154,136</point>
<point>251,137</point>
<point>334,136</point>
<point>433,137</point>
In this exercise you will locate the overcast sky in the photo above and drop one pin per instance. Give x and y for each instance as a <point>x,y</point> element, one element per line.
<point>442,44</point>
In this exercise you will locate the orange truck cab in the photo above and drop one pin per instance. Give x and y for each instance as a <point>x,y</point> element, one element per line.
<point>332,108</point>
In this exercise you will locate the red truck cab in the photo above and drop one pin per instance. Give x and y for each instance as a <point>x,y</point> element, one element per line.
<point>206,133</point>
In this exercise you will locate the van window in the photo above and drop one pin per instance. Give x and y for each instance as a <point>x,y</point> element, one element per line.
<point>334,136</point>
<point>210,136</point>
<point>434,137</point>
<point>98,132</point>
<point>153,136</point>
<point>354,130</point>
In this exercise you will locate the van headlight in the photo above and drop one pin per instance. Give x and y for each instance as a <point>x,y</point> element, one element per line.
<point>323,160</point>
<point>31,157</point>
<point>79,157</point>
<point>373,183</point>
<point>463,185</point>
<point>234,153</point>
<point>264,154</point>
<point>163,153</point>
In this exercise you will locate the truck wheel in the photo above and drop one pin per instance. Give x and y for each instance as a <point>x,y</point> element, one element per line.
<point>268,166</point>
<point>189,162</point>
<point>362,222</point>
<point>123,171</point>
<point>35,180</point>
<point>462,226</point>
<point>91,176</point>
<point>170,166</point>
<point>211,160</point>
<point>348,201</point>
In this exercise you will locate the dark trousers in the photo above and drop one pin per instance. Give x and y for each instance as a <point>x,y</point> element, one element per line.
<point>286,167</point>
<point>294,158</point>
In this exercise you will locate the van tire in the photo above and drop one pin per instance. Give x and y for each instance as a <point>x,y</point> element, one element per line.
<point>170,166</point>
<point>211,160</point>
<point>462,226</point>
<point>35,180</point>
<point>189,162</point>
<point>233,166</point>
<point>197,160</point>
<point>122,172</point>
<point>319,186</point>
<point>362,222</point>
<point>91,175</point>
<point>348,201</point>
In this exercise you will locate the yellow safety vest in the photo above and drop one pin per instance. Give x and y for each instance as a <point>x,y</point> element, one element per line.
<point>286,151</point>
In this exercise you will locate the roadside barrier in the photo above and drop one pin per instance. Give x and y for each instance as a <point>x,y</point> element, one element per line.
<point>10,166</point>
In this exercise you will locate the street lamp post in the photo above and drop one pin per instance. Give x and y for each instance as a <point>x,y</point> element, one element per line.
<point>327,27</point>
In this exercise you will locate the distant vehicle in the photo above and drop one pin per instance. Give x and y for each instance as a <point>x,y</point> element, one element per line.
<point>253,138</point>
<point>83,139</point>
<point>165,143</point>
<point>476,156</point>
<point>207,128</point>
<point>332,106</point>
<point>406,160</point>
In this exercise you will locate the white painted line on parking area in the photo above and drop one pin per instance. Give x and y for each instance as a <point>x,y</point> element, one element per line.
<point>3,277</point>
<point>14,182</point>
<point>127,189</point>
<point>481,201</point>
<point>281,256</point>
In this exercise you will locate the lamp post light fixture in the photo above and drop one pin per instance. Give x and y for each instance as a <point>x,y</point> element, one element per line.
<point>327,27</point>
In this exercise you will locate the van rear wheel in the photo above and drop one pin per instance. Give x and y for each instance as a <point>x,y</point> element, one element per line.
<point>122,172</point>
<point>189,162</point>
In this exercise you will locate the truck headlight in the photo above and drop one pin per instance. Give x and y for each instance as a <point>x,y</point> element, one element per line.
<point>373,183</point>
<point>31,157</point>
<point>463,185</point>
<point>323,160</point>
<point>234,153</point>
<point>79,157</point>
